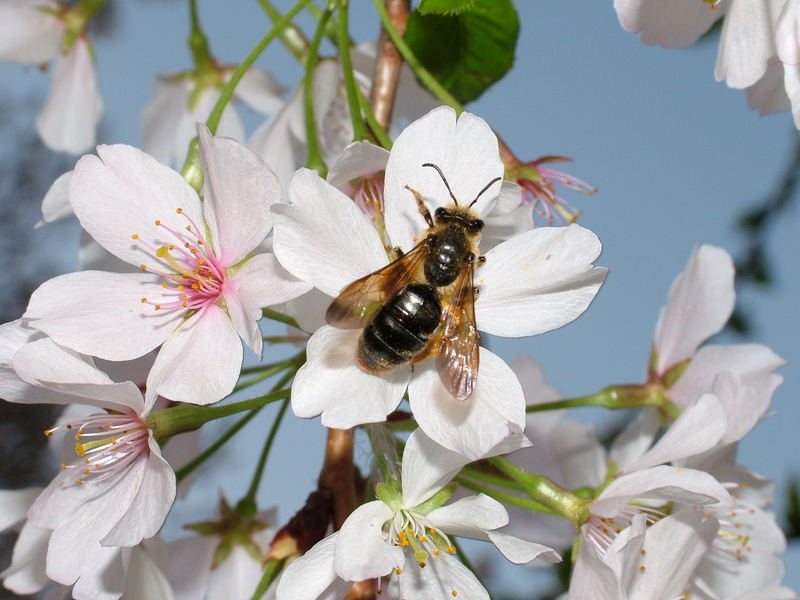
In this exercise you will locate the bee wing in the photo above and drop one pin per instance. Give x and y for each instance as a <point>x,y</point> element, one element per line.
<point>355,304</point>
<point>459,351</point>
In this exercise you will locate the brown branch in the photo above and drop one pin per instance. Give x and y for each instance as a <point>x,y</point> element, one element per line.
<point>387,66</point>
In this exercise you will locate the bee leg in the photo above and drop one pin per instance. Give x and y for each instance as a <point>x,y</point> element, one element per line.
<point>476,291</point>
<point>481,260</point>
<point>426,214</point>
<point>398,252</point>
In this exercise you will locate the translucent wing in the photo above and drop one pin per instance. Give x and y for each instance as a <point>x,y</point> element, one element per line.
<point>355,304</point>
<point>459,350</point>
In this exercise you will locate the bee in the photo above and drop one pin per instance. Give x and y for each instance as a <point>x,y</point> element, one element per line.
<point>423,303</point>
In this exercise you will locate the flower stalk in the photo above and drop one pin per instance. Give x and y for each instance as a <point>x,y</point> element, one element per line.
<point>272,569</point>
<point>198,43</point>
<point>291,36</point>
<point>615,397</point>
<point>314,158</point>
<point>359,130</point>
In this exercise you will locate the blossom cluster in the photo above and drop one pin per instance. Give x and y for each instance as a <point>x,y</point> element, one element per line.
<point>388,268</point>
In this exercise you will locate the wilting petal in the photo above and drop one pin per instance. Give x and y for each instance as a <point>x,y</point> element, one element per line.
<point>332,383</point>
<point>673,24</point>
<point>68,120</point>
<point>362,551</point>
<point>538,281</point>
<point>309,576</point>
<point>27,33</point>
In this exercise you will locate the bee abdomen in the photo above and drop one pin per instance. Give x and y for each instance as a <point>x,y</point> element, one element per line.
<point>400,328</point>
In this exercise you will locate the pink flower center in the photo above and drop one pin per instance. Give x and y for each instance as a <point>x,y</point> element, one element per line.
<point>368,196</point>
<point>602,531</point>
<point>106,445</point>
<point>194,276</point>
<point>548,205</point>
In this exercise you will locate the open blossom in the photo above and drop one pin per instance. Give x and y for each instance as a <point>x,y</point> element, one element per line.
<point>530,284</point>
<point>406,536</point>
<point>201,289</point>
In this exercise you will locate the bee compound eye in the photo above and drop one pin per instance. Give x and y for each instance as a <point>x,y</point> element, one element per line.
<point>479,224</point>
<point>439,211</point>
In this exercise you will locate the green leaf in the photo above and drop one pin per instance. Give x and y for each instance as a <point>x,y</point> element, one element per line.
<point>445,7</point>
<point>469,51</point>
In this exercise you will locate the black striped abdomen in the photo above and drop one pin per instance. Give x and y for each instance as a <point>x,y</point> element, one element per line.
<point>400,328</point>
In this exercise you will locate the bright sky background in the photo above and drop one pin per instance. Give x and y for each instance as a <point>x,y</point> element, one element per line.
<point>675,155</point>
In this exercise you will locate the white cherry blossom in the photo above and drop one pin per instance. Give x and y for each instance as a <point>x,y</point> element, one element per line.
<point>201,289</point>
<point>532,283</point>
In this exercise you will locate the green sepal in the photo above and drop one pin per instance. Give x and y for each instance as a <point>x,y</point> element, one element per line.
<point>674,373</point>
<point>445,7</point>
<point>435,501</point>
<point>390,495</point>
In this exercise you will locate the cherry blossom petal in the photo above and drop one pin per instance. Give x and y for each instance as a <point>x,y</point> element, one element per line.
<point>770,593</point>
<point>443,578</point>
<point>361,550</point>
<point>26,573</point>
<point>323,237</point>
<point>239,190</point>
<point>580,457</point>
<point>230,124</point>
<point>636,438</point>
<point>309,310</point>
<point>768,94</point>
<point>503,227</point>
<point>123,192</point>
<point>104,577</point>
<point>236,578</point>
<point>274,142</point>
<point>69,117</point>
<point>538,281</point>
<point>463,147</point>
<point>746,42</point>
<point>358,159</point>
<point>791,81</point>
<point>787,36</point>
<point>160,118</point>
<point>472,427</point>
<point>200,362</point>
<point>144,580</point>
<point>261,281</point>
<point>743,405</point>
<point>332,383</point>
<point>674,484</point>
<point>470,517</point>
<point>523,552</point>
<point>697,429</point>
<point>297,581</point>
<point>15,504</point>
<point>55,204</point>
<point>259,90</point>
<point>150,506</point>
<point>101,314</point>
<point>700,301</point>
<point>673,24</point>
<point>27,33</point>
<point>46,364</point>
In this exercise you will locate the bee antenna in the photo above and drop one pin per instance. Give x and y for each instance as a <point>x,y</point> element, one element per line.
<point>447,185</point>
<point>486,187</point>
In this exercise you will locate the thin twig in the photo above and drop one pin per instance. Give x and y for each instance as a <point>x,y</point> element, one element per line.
<point>388,64</point>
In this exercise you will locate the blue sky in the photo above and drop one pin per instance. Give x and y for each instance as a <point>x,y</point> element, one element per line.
<point>676,157</point>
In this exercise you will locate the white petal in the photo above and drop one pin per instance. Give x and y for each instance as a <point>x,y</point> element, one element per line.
<point>771,593</point>
<point>362,551</point>
<point>103,577</point>
<point>26,573</point>
<point>505,226</point>
<point>580,456</point>
<point>673,24</point>
<point>68,120</point>
<point>332,383</point>
<point>443,578</point>
<point>27,33</point>
<point>359,159</point>
<point>259,90</point>
<point>464,148</point>
<point>236,578</point>
<point>768,94</point>
<point>55,204</point>
<point>635,439</point>
<point>123,192</point>
<point>239,190</point>
<point>522,552</point>
<point>786,34</point>
<point>160,119</point>
<point>791,81</point>
<point>14,505</point>
<point>494,411</point>
<point>592,577</point>
<point>537,281</point>
<point>675,484</point>
<point>323,237</point>
<point>700,302</point>
<point>697,429</point>
<point>309,310</point>
<point>746,42</point>
<point>101,314</point>
<point>144,580</point>
<point>308,576</point>
<point>274,142</point>
<point>200,362</point>
<point>472,517</point>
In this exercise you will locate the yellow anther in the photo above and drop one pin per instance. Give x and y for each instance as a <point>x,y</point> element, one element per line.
<point>97,467</point>
<point>158,222</point>
<point>135,236</point>
<point>86,471</point>
<point>410,531</point>
<point>181,288</point>
<point>398,570</point>
<point>200,261</point>
<point>48,432</point>
<point>433,531</point>
<point>179,210</point>
<point>171,247</point>
<point>643,568</point>
<point>421,565</point>
<point>436,552</point>
<point>450,550</point>
<point>184,297</point>
<point>164,285</point>
<point>143,300</point>
<point>143,267</point>
<point>86,460</point>
<point>63,466</point>
<point>643,551</point>
<point>184,304</point>
<point>188,228</point>
<point>422,539</point>
<point>79,481</point>
<point>157,307</point>
<point>199,242</point>
<point>455,593</point>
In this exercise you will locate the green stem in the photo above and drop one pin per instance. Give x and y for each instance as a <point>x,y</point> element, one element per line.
<point>273,368</point>
<point>274,315</point>
<point>616,397</point>
<point>425,76</point>
<point>292,37</point>
<point>511,499</point>
<point>314,160</point>
<point>492,479</point>
<point>377,129</point>
<point>76,19</point>
<point>350,85</point>
<point>285,339</point>
<point>271,571</point>
<point>198,43</point>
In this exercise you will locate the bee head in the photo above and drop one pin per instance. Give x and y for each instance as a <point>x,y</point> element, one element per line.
<point>459,216</point>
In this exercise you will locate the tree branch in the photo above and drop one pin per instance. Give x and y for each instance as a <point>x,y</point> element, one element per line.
<point>388,64</point>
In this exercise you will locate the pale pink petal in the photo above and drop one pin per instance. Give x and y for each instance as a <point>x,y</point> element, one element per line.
<point>103,578</point>
<point>770,593</point>
<point>69,117</point>
<point>123,192</point>
<point>27,33</point>
<point>768,94</point>
<point>323,237</point>
<point>189,561</point>
<point>472,427</point>
<point>470,517</point>
<point>672,24</point>
<point>464,148</point>
<point>791,80</point>
<point>746,42</point>
<point>274,142</point>
<point>698,428</point>
<point>160,120</point>
<point>93,257</point>
<point>635,439</point>
<point>308,576</point>
<point>332,383</point>
<point>46,364</point>
<point>55,204</point>
<point>362,551</point>
<point>239,190</point>
<point>523,552</point>
<point>309,309</point>
<point>198,363</point>
<point>537,281</point>
<point>674,484</point>
<point>443,578</point>
<point>179,451</point>
<point>580,456</point>
<point>101,314</point>
<point>261,281</point>
<point>236,578</point>
<point>700,301</point>
<point>26,573</point>
<point>787,38</point>
<point>259,90</point>
<point>743,406</point>
<point>502,227</point>
<point>593,578</point>
<point>150,506</point>
<point>358,159</point>
<point>144,580</point>
<point>14,505</point>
